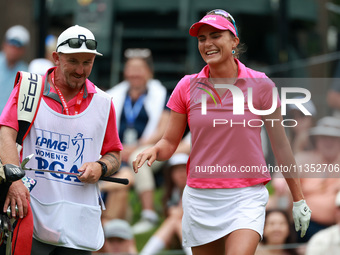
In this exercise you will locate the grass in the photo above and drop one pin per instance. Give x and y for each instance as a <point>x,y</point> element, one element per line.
<point>136,208</point>
<point>135,204</point>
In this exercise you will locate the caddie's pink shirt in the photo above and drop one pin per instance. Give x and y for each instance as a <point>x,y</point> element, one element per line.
<point>111,141</point>
<point>226,147</point>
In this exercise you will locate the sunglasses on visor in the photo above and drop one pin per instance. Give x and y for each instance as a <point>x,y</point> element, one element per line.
<point>76,43</point>
<point>224,14</point>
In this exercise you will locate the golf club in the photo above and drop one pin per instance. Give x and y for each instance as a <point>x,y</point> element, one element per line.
<point>109,179</point>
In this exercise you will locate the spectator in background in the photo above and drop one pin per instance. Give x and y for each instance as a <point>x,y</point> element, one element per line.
<point>327,241</point>
<point>175,181</point>
<point>119,238</point>
<point>299,135</point>
<point>277,232</point>
<point>11,60</point>
<point>41,65</point>
<point>320,180</point>
<point>333,94</point>
<point>141,120</point>
<point>50,46</point>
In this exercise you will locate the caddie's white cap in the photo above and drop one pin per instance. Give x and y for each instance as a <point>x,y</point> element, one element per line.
<point>75,32</point>
<point>17,36</point>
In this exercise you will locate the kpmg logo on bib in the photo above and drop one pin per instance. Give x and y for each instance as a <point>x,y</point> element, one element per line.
<point>51,144</point>
<point>55,151</point>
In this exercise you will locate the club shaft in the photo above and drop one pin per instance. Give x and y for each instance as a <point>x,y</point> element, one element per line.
<point>108,179</point>
<point>52,171</point>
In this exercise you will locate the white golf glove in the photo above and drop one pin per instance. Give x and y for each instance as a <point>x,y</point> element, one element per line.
<point>301,216</point>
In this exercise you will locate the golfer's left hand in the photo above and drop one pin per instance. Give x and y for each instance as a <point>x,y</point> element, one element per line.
<point>301,216</point>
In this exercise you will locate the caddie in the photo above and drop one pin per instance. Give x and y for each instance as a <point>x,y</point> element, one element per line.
<point>74,130</point>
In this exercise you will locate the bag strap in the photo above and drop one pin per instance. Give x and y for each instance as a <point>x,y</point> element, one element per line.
<point>31,89</point>
<point>2,174</point>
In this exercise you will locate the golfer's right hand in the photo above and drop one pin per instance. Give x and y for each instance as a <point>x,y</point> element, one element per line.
<point>149,155</point>
<point>18,195</point>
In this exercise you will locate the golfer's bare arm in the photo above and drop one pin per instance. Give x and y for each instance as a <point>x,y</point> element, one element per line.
<point>283,153</point>
<point>165,147</point>
<point>172,136</point>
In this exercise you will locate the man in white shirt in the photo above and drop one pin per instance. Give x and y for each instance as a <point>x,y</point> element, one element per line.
<point>327,241</point>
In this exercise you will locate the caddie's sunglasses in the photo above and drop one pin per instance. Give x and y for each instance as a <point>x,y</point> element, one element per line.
<point>76,43</point>
<point>224,14</point>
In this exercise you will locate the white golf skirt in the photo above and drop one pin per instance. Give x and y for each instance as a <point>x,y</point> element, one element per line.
<point>210,214</point>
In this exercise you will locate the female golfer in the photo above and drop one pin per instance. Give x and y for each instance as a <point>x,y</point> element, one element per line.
<point>225,197</point>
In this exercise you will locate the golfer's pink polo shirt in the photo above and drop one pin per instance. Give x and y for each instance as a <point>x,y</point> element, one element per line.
<point>226,147</point>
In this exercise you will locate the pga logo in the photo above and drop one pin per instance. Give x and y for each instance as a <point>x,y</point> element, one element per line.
<point>239,101</point>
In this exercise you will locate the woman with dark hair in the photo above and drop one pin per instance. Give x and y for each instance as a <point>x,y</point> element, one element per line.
<point>277,232</point>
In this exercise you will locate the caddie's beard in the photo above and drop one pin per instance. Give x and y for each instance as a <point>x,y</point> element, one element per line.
<point>75,83</point>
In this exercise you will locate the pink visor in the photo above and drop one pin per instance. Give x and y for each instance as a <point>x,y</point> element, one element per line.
<point>215,21</point>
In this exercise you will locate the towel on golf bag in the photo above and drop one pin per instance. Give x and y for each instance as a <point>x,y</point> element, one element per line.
<point>23,234</point>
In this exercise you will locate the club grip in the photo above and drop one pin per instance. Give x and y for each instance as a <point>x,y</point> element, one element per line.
<point>114,179</point>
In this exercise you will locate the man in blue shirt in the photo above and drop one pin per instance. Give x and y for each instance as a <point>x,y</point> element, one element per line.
<point>13,51</point>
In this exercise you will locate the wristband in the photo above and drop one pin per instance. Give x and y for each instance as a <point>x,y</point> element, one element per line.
<point>104,168</point>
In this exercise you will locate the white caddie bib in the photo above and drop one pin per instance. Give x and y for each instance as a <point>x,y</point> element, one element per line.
<point>66,211</point>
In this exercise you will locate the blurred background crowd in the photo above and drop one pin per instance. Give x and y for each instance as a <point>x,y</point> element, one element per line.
<point>147,47</point>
